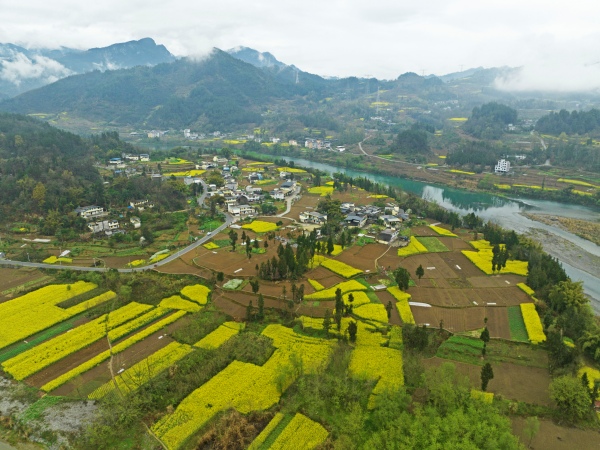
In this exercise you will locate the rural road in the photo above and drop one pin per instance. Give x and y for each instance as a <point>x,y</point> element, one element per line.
<point>289,202</point>
<point>192,246</point>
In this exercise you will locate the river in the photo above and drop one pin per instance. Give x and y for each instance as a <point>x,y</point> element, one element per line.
<point>503,211</point>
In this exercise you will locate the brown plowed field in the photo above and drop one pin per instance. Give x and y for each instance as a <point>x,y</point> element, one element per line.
<point>455,320</point>
<point>498,322</point>
<point>385,297</point>
<point>423,231</point>
<point>324,276</point>
<point>275,289</point>
<point>467,268</point>
<point>555,437</point>
<point>181,267</point>
<point>10,278</point>
<point>516,382</point>
<point>465,297</point>
<point>496,281</point>
<point>428,260</point>
<point>363,257</point>
<point>454,243</point>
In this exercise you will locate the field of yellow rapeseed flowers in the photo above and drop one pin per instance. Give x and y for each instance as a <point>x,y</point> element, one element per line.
<point>140,373</point>
<point>340,268</point>
<point>402,304</point>
<point>37,310</point>
<point>220,335</point>
<point>535,331</point>
<point>346,286</point>
<point>302,433</point>
<point>259,226</point>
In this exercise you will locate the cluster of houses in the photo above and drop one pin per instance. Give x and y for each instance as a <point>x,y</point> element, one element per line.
<point>391,216</point>
<point>239,201</point>
<point>94,214</point>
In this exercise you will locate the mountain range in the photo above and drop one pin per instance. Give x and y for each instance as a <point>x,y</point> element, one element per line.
<point>23,69</point>
<point>141,84</point>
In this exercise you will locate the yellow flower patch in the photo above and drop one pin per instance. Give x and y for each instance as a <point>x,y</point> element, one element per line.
<point>340,268</point>
<point>461,172</point>
<point>577,182</point>
<point>526,289</point>
<point>485,397</point>
<point>37,358</point>
<point>483,259</point>
<point>31,313</point>
<point>372,311</point>
<point>346,286</point>
<point>137,262</point>
<point>116,349</point>
<point>176,302</point>
<point>54,260</point>
<point>316,285</point>
<point>197,293</point>
<point>360,298</point>
<point>264,434</point>
<point>291,170</point>
<point>220,335</point>
<point>321,190</point>
<point>140,373</point>
<point>442,231</point>
<point>259,226</point>
<point>379,196</point>
<point>210,246</point>
<point>84,306</point>
<point>244,386</point>
<point>378,363</point>
<point>532,323</point>
<point>302,433</point>
<point>402,304</point>
<point>592,373</point>
<point>158,258</point>
<point>414,247</point>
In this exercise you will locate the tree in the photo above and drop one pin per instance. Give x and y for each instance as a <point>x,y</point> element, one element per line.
<point>233,237</point>
<point>388,308</point>
<point>571,397</point>
<point>402,278</point>
<point>249,311</point>
<point>352,329</point>
<point>220,276</point>
<point>330,246</point>
<point>448,389</point>
<point>261,306</point>
<point>39,194</point>
<point>327,321</point>
<point>487,373</point>
<point>255,285</point>
<point>485,335</point>
<point>339,308</point>
<point>532,426</point>
<point>420,271</point>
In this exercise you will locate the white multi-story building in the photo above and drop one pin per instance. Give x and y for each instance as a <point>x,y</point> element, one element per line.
<point>503,166</point>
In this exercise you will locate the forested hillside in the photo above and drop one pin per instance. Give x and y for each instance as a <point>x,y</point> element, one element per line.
<point>45,173</point>
<point>219,90</point>
<point>575,122</point>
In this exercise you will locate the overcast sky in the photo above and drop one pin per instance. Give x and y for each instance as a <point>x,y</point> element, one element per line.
<point>557,42</point>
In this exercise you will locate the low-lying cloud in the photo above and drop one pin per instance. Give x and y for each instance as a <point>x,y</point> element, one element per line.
<point>19,68</point>
<point>552,78</point>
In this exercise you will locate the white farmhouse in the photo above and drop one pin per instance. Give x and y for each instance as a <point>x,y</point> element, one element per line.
<point>503,166</point>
